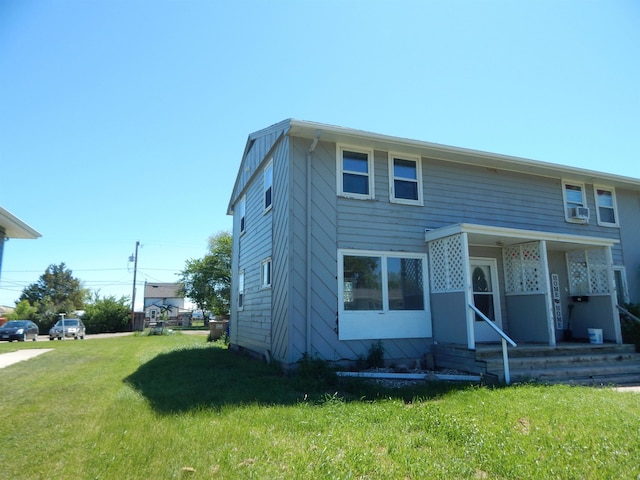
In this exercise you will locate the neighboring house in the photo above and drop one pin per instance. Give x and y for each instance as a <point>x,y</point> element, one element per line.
<point>163,301</point>
<point>344,237</point>
<point>12,227</point>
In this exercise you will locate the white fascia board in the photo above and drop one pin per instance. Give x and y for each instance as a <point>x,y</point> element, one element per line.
<point>16,228</point>
<point>517,233</point>
<point>460,155</point>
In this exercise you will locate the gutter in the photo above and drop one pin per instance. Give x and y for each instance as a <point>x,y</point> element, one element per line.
<point>312,147</point>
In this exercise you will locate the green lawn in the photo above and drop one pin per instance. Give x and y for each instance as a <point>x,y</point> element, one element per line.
<point>165,407</point>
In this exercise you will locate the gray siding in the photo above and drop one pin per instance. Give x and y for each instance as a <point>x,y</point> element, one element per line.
<point>277,319</point>
<point>629,214</point>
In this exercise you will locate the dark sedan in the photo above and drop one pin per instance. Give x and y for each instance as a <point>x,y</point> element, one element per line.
<point>20,330</point>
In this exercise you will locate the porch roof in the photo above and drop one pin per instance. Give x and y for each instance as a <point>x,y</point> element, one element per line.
<point>488,235</point>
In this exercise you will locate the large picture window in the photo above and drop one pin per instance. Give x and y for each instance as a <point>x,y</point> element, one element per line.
<point>376,288</point>
<point>355,172</point>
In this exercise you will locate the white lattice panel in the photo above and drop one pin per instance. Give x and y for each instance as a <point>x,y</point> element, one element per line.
<point>446,261</point>
<point>523,268</point>
<point>598,270</point>
<point>578,272</point>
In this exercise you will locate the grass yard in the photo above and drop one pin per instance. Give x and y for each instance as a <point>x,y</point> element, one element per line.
<point>166,407</point>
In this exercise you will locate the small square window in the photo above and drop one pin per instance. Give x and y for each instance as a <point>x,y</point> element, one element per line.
<point>405,179</point>
<point>355,172</point>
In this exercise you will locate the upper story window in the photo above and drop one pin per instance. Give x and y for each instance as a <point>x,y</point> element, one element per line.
<point>243,211</point>
<point>268,186</point>
<point>606,211</point>
<point>575,203</point>
<point>405,174</point>
<point>355,172</point>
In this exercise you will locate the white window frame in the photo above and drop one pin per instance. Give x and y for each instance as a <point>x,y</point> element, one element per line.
<point>267,186</point>
<point>340,149</point>
<point>243,214</point>
<point>623,277</point>
<point>266,273</point>
<point>566,204</point>
<point>385,323</point>
<point>241,280</point>
<point>614,206</point>
<point>392,178</point>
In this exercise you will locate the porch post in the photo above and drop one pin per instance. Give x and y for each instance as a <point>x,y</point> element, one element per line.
<point>612,295</point>
<point>551,331</point>
<point>468,292</point>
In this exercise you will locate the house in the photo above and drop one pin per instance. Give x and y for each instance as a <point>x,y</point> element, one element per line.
<point>163,301</point>
<point>345,237</point>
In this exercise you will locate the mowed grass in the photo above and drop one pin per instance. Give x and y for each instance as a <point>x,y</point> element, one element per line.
<point>176,406</point>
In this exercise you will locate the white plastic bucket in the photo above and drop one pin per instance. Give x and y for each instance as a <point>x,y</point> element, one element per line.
<point>595,335</point>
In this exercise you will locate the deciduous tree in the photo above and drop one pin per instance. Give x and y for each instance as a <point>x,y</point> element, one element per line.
<point>207,280</point>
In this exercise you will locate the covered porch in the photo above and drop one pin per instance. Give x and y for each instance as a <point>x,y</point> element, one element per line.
<point>538,287</point>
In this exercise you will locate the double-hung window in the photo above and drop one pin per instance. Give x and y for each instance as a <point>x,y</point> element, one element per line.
<point>382,295</point>
<point>268,186</point>
<point>355,172</point>
<point>405,179</point>
<point>606,206</point>
<point>265,273</point>
<point>575,202</point>
<point>241,290</point>
<point>243,213</point>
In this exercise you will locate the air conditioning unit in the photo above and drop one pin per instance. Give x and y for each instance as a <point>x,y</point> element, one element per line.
<point>579,213</point>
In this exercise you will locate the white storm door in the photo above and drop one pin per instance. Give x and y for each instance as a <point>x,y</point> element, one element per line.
<point>486,297</point>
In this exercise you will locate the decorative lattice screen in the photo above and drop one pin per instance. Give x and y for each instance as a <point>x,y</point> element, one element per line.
<point>588,272</point>
<point>523,268</point>
<point>446,259</point>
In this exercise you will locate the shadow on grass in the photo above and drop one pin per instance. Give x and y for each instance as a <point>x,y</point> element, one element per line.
<point>212,377</point>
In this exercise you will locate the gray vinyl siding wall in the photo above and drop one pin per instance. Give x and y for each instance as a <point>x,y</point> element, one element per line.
<point>453,193</point>
<point>252,327</point>
<point>275,319</point>
<point>629,216</point>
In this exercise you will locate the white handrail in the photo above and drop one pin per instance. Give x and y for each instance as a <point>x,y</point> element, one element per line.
<point>628,314</point>
<point>504,337</point>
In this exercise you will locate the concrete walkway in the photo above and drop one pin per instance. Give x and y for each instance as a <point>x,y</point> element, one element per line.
<point>10,358</point>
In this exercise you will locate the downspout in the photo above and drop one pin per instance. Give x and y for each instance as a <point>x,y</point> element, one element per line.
<point>312,147</point>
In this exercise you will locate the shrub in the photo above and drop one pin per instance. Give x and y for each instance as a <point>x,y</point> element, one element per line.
<point>314,374</point>
<point>631,328</point>
<point>375,356</point>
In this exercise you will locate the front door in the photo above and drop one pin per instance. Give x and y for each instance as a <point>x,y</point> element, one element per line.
<point>486,297</point>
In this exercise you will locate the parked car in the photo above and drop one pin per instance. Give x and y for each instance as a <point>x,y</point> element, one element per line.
<point>73,327</point>
<point>20,330</point>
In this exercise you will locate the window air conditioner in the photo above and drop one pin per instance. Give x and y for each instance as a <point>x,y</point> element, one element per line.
<point>579,213</point>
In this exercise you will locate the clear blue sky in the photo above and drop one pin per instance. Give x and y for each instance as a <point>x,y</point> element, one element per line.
<point>126,120</point>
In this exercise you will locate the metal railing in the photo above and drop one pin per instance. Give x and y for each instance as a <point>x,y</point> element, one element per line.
<point>628,314</point>
<point>505,339</point>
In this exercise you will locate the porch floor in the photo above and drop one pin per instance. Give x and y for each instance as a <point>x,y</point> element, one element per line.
<point>572,363</point>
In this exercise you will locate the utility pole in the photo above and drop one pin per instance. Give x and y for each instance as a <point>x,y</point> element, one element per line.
<point>133,294</point>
